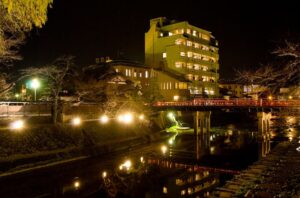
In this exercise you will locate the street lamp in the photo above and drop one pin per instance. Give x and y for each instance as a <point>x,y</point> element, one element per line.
<point>35,83</point>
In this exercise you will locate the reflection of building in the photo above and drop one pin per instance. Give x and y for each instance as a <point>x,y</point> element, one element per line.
<point>182,180</point>
<point>184,50</point>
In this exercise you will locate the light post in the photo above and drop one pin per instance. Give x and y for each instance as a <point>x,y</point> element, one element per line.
<point>35,84</point>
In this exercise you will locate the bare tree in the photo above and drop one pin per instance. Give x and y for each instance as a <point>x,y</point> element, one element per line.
<point>285,71</point>
<point>55,75</point>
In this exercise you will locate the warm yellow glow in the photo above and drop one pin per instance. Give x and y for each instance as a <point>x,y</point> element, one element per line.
<point>165,190</point>
<point>127,165</point>
<point>171,141</point>
<point>290,97</point>
<point>17,125</point>
<point>126,118</point>
<point>104,119</point>
<point>176,98</point>
<point>142,117</point>
<point>142,159</point>
<point>76,184</point>
<point>76,121</point>
<point>270,97</point>
<point>164,149</point>
<point>104,174</point>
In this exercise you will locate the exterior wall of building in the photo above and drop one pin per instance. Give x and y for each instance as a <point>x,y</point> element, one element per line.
<point>170,87</point>
<point>185,49</point>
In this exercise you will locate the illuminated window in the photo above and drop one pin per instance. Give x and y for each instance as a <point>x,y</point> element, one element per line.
<point>197,56</point>
<point>146,74</point>
<point>205,37</point>
<point>196,45</point>
<point>134,74</point>
<point>167,85</point>
<point>170,85</point>
<point>190,191</point>
<point>179,41</point>
<point>205,58</point>
<point>129,72</point>
<point>182,85</point>
<point>197,177</point>
<point>164,55</point>
<point>176,87</point>
<point>189,65</point>
<point>189,43</point>
<point>170,34</point>
<point>141,74</point>
<point>188,31</point>
<point>204,68</point>
<point>182,192</point>
<point>196,66</point>
<point>126,72</point>
<point>189,76</point>
<point>212,92</point>
<point>165,190</point>
<point>181,31</point>
<point>182,53</point>
<point>190,54</point>
<point>196,77</point>
<point>194,33</point>
<point>204,78</point>
<point>178,64</point>
<point>117,70</point>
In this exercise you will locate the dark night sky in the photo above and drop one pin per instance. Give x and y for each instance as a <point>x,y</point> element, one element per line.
<point>247,31</point>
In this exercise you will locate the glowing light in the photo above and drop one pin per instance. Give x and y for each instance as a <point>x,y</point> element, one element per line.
<point>176,98</point>
<point>142,159</point>
<point>171,141</point>
<point>76,184</point>
<point>142,117</point>
<point>171,115</point>
<point>17,95</point>
<point>104,174</point>
<point>104,119</point>
<point>17,125</point>
<point>127,165</point>
<point>125,118</point>
<point>35,83</point>
<point>290,97</point>
<point>270,97</point>
<point>164,149</point>
<point>76,121</point>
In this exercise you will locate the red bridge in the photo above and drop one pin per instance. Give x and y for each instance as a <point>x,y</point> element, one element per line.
<point>232,103</point>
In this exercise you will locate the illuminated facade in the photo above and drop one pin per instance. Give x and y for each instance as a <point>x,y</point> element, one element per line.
<point>185,50</point>
<point>170,86</point>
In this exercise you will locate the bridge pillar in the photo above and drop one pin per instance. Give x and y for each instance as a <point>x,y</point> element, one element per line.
<point>202,130</point>
<point>264,120</point>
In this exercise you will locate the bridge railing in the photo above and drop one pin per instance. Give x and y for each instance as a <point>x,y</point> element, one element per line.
<point>232,103</point>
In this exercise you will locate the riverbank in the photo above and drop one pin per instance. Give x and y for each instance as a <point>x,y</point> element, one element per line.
<point>45,143</point>
<point>277,175</point>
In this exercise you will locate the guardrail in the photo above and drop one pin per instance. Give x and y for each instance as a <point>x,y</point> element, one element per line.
<point>230,103</point>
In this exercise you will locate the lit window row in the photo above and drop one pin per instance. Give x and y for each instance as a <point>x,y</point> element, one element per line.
<point>188,31</point>
<point>191,66</point>
<point>135,74</point>
<point>196,45</point>
<point>198,56</point>
<point>200,78</point>
<point>173,85</point>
